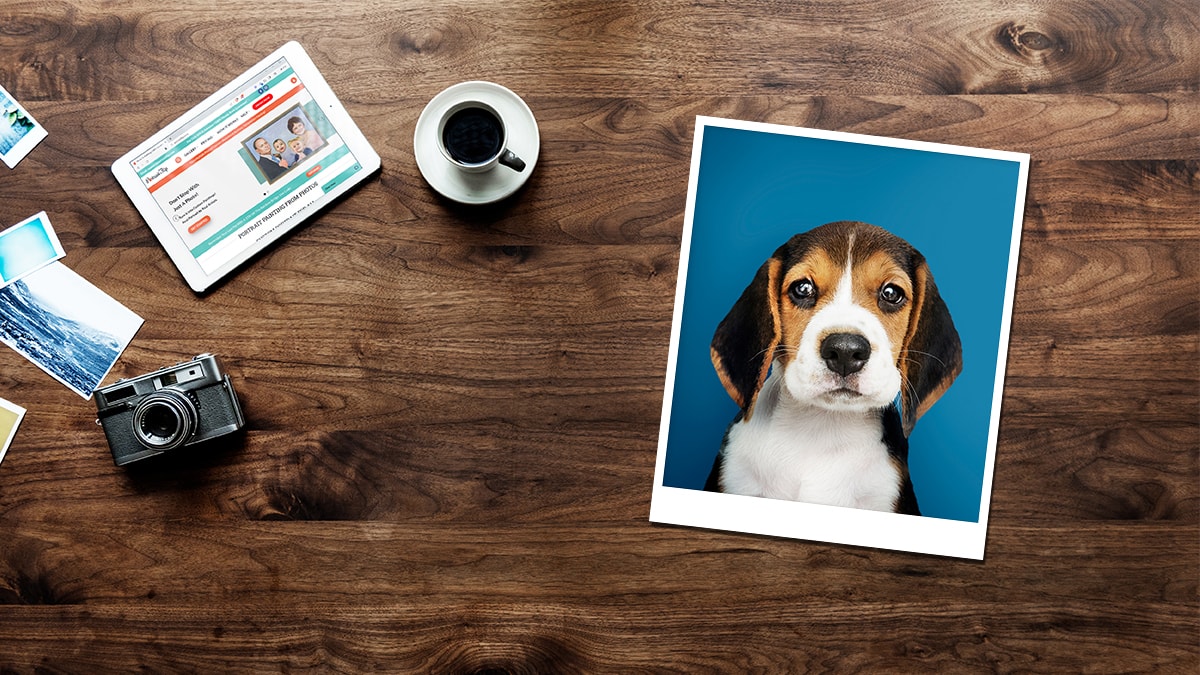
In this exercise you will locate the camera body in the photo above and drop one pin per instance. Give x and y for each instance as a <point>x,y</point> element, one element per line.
<point>173,407</point>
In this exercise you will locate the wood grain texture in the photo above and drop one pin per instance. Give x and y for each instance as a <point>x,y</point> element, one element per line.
<point>453,412</point>
<point>123,51</point>
<point>366,596</point>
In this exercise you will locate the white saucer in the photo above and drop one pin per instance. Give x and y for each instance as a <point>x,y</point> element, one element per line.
<point>489,186</point>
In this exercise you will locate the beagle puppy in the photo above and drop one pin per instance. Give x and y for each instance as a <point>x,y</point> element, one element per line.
<point>840,323</point>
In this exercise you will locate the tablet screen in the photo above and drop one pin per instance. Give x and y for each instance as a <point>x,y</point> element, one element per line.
<point>246,166</point>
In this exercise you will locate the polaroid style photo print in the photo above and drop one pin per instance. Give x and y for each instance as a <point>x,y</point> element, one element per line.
<point>839,339</point>
<point>66,326</point>
<point>19,132</point>
<point>27,247</point>
<point>11,415</point>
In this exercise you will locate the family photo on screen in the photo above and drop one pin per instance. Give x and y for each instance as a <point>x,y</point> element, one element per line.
<point>283,144</point>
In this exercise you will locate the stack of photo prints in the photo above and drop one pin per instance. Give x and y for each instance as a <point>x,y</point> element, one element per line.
<point>839,339</point>
<point>48,313</point>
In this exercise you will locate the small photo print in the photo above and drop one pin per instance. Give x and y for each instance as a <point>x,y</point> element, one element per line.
<point>283,144</point>
<point>19,132</point>
<point>27,247</point>
<point>10,418</point>
<point>66,326</point>
<point>840,338</point>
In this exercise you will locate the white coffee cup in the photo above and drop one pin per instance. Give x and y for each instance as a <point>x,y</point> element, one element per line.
<point>473,137</point>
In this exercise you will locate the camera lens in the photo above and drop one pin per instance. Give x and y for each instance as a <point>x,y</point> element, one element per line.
<point>164,420</point>
<point>161,422</point>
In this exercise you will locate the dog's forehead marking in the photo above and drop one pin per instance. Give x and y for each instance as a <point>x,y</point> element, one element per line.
<point>837,288</point>
<point>843,292</point>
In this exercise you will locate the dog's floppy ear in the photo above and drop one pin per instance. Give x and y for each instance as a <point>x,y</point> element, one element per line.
<point>932,353</point>
<point>744,344</point>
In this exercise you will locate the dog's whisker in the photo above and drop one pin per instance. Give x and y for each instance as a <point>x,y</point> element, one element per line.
<point>785,349</point>
<point>762,352</point>
<point>913,351</point>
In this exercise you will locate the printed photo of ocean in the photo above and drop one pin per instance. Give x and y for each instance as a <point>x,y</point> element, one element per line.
<point>65,326</point>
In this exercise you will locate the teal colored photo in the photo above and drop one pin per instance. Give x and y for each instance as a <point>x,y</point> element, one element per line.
<point>26,247</point>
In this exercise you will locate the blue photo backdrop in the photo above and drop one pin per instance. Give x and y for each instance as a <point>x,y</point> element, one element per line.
<point>755,189</point>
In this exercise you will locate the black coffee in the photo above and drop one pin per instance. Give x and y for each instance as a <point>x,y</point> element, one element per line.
<point>473,135</point>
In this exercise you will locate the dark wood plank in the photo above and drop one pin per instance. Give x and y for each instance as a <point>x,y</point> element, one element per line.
<point>615,171</point>
<point>472,636</point>
<point>94,50</point>
<point>1056,470</point>
<point>292,565</point>
<point>565,471</point>
<point>581,132</point>
<point>530,598</point>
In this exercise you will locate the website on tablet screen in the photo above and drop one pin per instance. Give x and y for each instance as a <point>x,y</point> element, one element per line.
<point>246,166</point>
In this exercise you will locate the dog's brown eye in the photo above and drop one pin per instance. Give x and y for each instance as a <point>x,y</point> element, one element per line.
<point>803,293</point>
<point>891,296</point>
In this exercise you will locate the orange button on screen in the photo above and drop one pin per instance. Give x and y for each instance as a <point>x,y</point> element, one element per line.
<point>199,224</point>
<point>312,171</point>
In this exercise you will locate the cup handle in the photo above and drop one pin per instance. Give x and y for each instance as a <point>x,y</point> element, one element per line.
<point>510,159</point>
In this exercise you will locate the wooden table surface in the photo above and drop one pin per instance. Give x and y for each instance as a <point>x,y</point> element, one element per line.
<point>453,413</point>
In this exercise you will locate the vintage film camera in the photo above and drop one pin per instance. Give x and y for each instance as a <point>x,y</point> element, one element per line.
<point>176,406</point>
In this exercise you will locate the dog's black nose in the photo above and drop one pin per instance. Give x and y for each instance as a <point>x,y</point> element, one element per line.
<point>845,353</point>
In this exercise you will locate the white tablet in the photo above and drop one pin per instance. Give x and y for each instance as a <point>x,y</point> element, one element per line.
<point>245,166</point>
